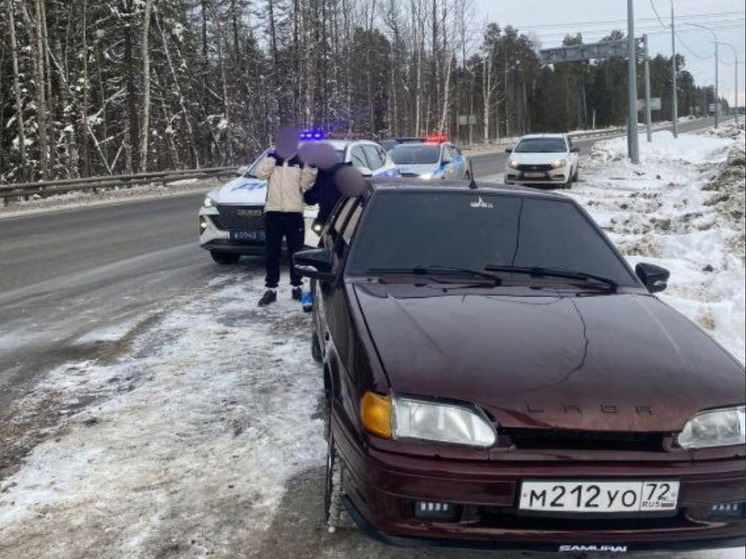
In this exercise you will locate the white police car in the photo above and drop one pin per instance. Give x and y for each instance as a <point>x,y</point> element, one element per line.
<point>430,158</point>
<point>231,219</point>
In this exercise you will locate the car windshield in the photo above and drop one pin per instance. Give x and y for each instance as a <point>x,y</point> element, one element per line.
<point>407,230</point>
<point>541,145</point>
<point>415,154</point>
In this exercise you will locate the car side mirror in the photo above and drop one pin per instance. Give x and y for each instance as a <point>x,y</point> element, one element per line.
<point>653,277</point>
<point>241,171</point>
<point>575,150</point>
<point>315,264</point>
<point>508,150</point>
<point>365,171</point>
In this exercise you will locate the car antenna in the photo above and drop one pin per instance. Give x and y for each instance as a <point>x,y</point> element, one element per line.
<point>472,183</point>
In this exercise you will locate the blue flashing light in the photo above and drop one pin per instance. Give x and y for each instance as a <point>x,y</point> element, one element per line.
<point>312,135</point>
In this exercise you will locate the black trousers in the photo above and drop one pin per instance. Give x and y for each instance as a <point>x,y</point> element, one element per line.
<point>278,225</point>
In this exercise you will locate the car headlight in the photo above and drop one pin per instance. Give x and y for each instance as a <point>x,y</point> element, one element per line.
<point>559,163</point>
<point>514,163</point>
<point>209,202</point>
<point>408,418</point>
<point>724,427</point>
<point>427,176</point>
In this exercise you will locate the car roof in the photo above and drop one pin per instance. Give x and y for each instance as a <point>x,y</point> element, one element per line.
<point>344,144</point>
<point>553,135</point>
<point>411,184</point>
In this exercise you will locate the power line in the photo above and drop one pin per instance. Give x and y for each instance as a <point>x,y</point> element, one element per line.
<point>655,9</point>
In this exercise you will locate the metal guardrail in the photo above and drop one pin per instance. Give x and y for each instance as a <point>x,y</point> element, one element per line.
<point>44,188</point>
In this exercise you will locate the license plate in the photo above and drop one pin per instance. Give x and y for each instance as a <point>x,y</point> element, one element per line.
<point>533,175</point>
<point>599,496</point>
<point>248,235</point>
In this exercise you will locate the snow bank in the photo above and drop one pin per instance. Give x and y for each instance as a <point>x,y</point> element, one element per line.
<point>687,148</point>
<point>182,448</point>
<point>681,208</point>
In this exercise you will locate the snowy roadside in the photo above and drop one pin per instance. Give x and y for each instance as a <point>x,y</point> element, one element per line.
<point>180,448</point>
<point>203,438</point>
<point>682,208</point>
<point>89,198</point>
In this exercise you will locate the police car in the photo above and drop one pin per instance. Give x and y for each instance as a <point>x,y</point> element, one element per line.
<point>231,219</point>
<point>430,158</point>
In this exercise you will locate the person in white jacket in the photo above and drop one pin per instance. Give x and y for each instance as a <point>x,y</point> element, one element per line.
<point>288,178</point>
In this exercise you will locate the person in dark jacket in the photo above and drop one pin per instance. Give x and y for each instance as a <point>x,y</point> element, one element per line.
<point>325,192</point>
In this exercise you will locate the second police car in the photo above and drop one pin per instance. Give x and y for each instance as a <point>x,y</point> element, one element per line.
<point>231,219</point>
<point>430,158</point>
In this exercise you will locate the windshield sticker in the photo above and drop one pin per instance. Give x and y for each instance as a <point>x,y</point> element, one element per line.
<point>482,204</point>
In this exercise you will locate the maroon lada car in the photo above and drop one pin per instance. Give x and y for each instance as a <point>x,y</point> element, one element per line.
<point>497,376</point>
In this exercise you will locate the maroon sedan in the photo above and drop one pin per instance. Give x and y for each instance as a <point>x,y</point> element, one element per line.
<point>498,377</point>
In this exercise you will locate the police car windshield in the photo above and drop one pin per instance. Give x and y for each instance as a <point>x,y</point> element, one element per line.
<point>415,154</point>
<point>541,145</point>
<point>407,230</point>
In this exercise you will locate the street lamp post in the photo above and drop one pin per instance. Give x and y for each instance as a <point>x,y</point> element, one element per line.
<point>675,90</point>
<point>717,91</point>
<point>632,140</point>
<point>735,54</point>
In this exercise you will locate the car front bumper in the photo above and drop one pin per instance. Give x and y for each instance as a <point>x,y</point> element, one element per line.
<point>213,238</point>
<point>555,176</point>
<point>382,489</point>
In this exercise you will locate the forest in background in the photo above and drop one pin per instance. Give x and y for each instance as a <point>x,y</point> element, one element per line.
<point>92,88</point>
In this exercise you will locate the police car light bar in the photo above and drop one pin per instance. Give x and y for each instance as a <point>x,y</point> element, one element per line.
<point>436,138</point>
<point>310,135</point>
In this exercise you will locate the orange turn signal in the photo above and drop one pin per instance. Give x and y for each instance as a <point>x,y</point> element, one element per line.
<point>375,411</point>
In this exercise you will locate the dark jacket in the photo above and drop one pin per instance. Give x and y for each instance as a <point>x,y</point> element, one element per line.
<point>325,192</point>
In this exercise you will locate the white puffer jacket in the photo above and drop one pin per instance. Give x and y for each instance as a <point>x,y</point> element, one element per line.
<point>286,183</point>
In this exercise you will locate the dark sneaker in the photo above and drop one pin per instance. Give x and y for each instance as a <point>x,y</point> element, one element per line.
<point>270,296</point>
<point>297,293</point>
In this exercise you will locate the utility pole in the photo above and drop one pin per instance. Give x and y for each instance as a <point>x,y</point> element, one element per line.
<point>735,54</point>
<point>648,117</point>
<point>717,81</point>
<point>634,147</point>
<point>675,89</point>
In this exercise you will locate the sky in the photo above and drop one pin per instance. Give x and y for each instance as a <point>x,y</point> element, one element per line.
<point>550,20</point>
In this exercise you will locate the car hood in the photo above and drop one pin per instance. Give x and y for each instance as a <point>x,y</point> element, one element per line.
<point>544,360</point>
<point>417,169</point>
<point>241,190</point>
<point>537,158</point>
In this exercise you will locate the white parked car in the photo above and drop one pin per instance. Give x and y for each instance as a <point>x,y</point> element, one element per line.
<point>540,159</point>
<point>231,219</point>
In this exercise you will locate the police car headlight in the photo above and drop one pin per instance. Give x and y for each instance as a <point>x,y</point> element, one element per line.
<point>427,176</point>
<point>559,163</point>
<point>317,227</point>
<point>708,429</point>
<point>514,163</point>
<point>209,202</point>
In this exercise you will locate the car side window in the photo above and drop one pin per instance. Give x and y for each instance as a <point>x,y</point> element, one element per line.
<point>569,144</point>
<point>453,152</point>
<point>373,157</point>
<point>358,157</point>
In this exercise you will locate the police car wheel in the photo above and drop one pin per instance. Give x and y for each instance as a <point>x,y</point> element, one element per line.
<point>224,258</point>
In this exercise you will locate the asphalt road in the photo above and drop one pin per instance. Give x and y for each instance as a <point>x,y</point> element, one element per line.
<point>65,273</point>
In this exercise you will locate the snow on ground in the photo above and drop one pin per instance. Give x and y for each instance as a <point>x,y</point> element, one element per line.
<point>181,447</point>
<point>89,198</point>
<point>682,208</point>
<point>203,438</point>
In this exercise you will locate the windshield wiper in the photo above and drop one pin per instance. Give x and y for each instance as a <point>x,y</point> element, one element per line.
<point>440,270</point>
<point>540,272</point>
